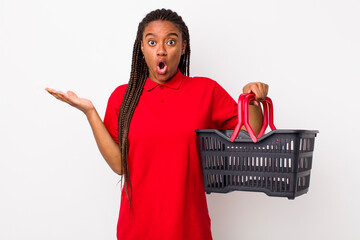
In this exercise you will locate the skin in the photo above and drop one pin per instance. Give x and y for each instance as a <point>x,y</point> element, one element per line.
<point>107,146</point>
<point>161,39</point>
<point>255,113</point>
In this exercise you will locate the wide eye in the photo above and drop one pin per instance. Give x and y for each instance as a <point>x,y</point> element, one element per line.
<point>151,42</point>
<point>171,42</point>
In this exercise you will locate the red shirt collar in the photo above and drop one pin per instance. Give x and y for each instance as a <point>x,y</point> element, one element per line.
<point>173,83</point>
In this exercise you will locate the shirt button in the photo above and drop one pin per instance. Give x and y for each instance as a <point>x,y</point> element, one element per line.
<point>161,86</point>
<point>161,100</point>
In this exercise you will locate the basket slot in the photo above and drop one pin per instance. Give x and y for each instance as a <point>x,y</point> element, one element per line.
<point>233,164</point>
<point>311,145</point>
<point>291,146</point>
<point>306,144</point>
<point>217,145</point>
<point>289,164</point>
<point>282,165</point>
<point>279,165</point>
<point>303,183</point>
<point>304,163</point>
<point>282,145</point>
<point>212,144</point>
<point>248,164</point>
<point>234,180</point>
<point>216,181</point>
<point>288,146</point>
<point>215,162</point>
<point>206,161</point>
<point>240,180</point>
<point>208,146</point>
<point>276,184</point>
<point>301,147</point>
<point>208,178</point>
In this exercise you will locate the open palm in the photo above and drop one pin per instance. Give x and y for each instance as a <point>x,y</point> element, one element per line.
<point>72,99</point>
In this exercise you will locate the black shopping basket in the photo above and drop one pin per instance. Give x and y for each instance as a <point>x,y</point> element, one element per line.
<point>277,163</point>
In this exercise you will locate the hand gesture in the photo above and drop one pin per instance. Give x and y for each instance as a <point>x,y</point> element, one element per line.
<point>259,89</point>
<point>72,99</point>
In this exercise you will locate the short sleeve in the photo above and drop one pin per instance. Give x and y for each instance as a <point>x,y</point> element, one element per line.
<point>224,109</point>
<point>112,111</point>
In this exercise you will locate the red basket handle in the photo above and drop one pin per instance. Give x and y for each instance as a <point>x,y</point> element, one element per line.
<point>243,109</point>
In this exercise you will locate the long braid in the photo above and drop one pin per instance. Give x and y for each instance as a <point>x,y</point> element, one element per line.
<point>132,94</point>
<point>138,76</point>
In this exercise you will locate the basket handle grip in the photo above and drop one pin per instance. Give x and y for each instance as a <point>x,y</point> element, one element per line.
<point>243,116</point>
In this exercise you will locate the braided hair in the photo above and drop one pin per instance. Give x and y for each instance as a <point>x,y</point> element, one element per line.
<point>138,76</point>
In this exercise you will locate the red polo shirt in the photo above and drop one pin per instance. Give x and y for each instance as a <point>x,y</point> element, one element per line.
<point>169,201</point>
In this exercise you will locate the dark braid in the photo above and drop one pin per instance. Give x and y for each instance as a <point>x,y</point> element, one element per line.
<point>138,76</point>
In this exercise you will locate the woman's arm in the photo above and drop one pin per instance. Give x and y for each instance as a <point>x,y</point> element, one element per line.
<point>108,148</point>
<point>255,114</point>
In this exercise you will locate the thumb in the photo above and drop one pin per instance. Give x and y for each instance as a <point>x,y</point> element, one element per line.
<point>72,94</point>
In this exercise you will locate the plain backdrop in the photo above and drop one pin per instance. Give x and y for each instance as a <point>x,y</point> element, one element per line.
<point>54,183</point>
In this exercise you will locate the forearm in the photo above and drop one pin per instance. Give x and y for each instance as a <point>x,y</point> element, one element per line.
<point>255,118</point>
<point>107,146</point>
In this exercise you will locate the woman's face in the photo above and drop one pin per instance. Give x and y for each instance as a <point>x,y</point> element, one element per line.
<point>162,46</point>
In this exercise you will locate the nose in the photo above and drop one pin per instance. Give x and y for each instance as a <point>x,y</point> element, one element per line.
<point>161,51</point>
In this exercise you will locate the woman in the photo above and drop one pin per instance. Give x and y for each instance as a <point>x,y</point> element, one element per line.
<point>148,135</point>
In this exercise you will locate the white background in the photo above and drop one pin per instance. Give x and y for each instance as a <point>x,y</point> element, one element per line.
<point>54,183</point>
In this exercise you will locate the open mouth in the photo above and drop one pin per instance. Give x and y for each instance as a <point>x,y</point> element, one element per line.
<point>161,66</point>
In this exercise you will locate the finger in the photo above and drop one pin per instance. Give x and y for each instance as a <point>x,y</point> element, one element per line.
<point>50,90</point>
<point>266,88</point>
<point>262,90</point>
<point>250,88</point>
<point>254,102</point>
<point>255,89</point>
<point>65,97</point>
<point>62,94</point>
<point>59,95</point>
<point>53,91</point>
<point>259,89</point>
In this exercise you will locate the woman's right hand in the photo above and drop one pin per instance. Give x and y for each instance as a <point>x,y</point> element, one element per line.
<point>83,104</point>
<point>107,146</point>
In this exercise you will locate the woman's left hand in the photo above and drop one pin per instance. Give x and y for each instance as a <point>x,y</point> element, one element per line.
<point>259,89</point>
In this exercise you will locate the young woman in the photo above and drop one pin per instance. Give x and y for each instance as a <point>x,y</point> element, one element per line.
<point>148,134</point>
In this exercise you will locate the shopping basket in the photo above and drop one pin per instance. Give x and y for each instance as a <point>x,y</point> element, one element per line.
<point>277,163</point>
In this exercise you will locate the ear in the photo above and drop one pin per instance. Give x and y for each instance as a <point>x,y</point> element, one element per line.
<point>183,47</point>
<point>142,47</point>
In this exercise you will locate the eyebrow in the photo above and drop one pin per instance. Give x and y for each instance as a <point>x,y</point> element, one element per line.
<point>170,34</point>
